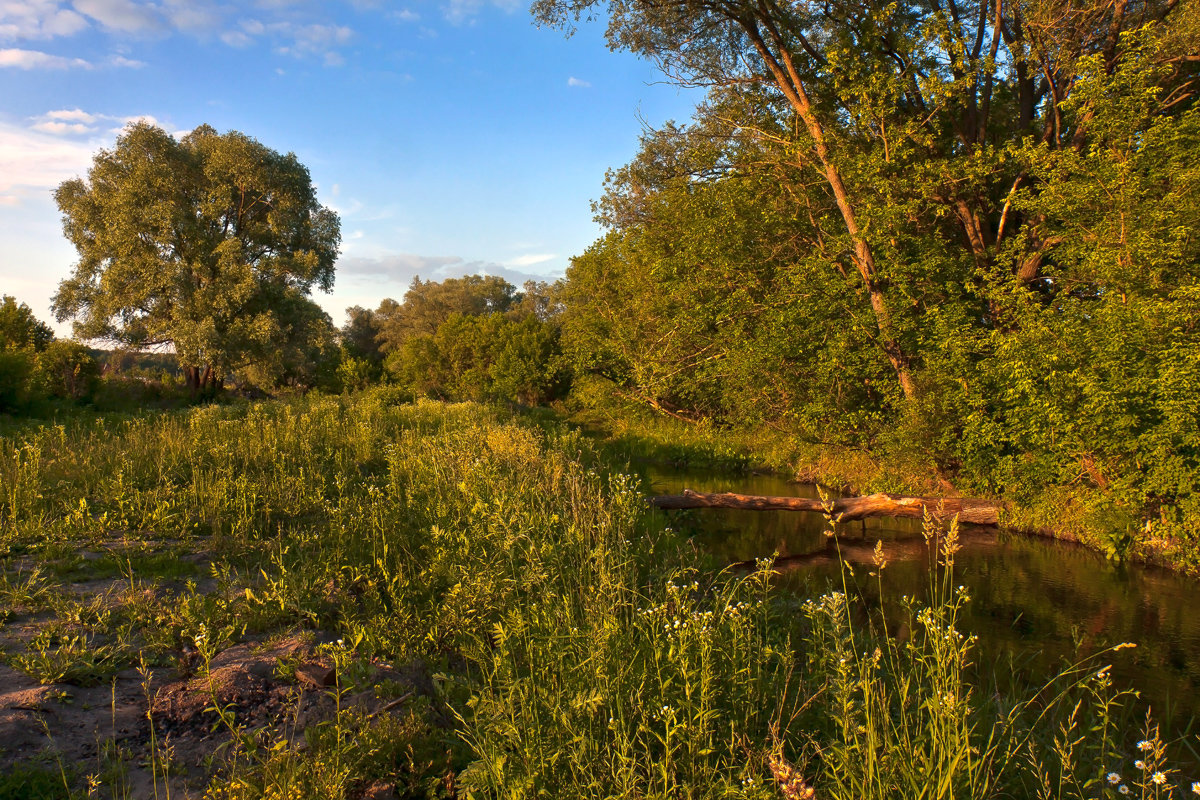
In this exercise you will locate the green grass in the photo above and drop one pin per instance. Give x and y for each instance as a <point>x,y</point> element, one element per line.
<point>578,647</point>
<point>31,782</point>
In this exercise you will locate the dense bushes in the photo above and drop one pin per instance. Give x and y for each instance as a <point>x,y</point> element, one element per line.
<point>34,366</point>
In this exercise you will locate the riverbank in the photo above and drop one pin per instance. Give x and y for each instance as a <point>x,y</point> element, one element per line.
<point>1076,513</point>
<point>351,597</point>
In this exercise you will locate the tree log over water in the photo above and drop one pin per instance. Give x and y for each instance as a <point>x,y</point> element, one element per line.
<point>842,509</point>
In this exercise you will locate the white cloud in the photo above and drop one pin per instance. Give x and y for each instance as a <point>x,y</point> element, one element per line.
<point>35,159</point>
<point>236,39</point>
<point>123,16</point>
<point>16,58</point>
<point>193,16</point>
<point>398,266</point>
<point>77,122</point>
<point>347,207</point>
<point>398,270</point>
<point>530,259</point>
<point>243,35</point>
<point>146,118</point>
<point>460,11</point>
<point>71,115</point>
<point>63,128</point>
<point>299,29</point>
<point>582,84</point>
<point>38,19</point>
<point>313,40</point>
<point>406,15</point>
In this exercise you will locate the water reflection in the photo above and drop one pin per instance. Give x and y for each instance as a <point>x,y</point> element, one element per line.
<point>1036,603</point>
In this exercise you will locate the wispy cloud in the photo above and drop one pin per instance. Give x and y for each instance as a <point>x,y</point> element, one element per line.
<point>398,266</point>
<point>16,58</point>
<point>397,270</point>
<point>63,128</point>
<point>462,11</point>
<point>299,29</point>
<point>311,40</point>
<point>34,159</point>
<point>578,83</point>
<point>530,259</point>
<point>72,115</point>
<point>123,16</point>
<point>53,147</point>
<point>77,122</point>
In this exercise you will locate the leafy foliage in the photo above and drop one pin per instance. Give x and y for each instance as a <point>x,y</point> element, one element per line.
<point>210,244</point>
<point>19,328</point>
<point>472,338</point>
<point>965,238</point>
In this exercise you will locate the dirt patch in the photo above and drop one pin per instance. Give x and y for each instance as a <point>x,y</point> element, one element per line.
<point>244,684</point>
<point>76,730</point>
<point>90,731</point>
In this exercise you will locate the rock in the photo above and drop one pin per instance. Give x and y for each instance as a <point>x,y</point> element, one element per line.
<point>316,675</point>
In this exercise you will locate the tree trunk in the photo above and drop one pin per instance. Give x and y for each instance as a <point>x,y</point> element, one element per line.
<point>787,78</point>
<point>191,374</point>
<point>842,509</point>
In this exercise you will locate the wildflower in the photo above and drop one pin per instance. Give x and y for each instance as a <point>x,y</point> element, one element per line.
<point>1114,778</point>
<point>1159,778</point>
<point>1196,787</point>
<point>1123,789</point>
<point>1144,746</point>
<point>1139,764</point>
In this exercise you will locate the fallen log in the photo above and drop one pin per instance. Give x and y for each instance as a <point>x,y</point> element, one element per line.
<point>842,509</point>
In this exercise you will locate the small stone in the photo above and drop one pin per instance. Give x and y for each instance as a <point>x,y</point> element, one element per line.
<point>316,675</point>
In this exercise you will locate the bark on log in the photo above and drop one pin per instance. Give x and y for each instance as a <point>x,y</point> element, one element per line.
<point>842,509</point>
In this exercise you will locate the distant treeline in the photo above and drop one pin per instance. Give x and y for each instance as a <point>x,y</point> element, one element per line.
<point>471,338</point>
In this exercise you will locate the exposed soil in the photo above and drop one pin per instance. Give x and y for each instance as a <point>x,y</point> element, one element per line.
<point>86,731</point>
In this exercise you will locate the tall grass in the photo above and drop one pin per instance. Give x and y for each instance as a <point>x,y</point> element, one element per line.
<point>580,649</point>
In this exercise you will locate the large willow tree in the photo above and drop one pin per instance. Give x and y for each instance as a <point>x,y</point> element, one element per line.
<point>210,244</point>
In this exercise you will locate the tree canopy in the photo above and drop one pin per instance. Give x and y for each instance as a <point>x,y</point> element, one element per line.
<point>964,231</point>
<point>428,304</point>
<point>210,244</point>
<point>900,117</point>
<point>472,338</point>
<point>20,328</point>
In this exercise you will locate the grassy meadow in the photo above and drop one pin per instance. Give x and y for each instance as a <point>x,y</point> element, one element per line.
<point>344,597</point>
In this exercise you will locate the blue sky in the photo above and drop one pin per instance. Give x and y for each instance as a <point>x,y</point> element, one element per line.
<point>452,136</point>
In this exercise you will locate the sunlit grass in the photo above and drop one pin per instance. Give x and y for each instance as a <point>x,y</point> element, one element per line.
<point>578,646</point>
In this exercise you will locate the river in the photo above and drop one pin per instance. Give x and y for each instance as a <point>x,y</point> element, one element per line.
<point>1036,605</point>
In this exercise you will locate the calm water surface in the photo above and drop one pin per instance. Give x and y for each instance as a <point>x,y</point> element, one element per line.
<point>1036,603</point>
